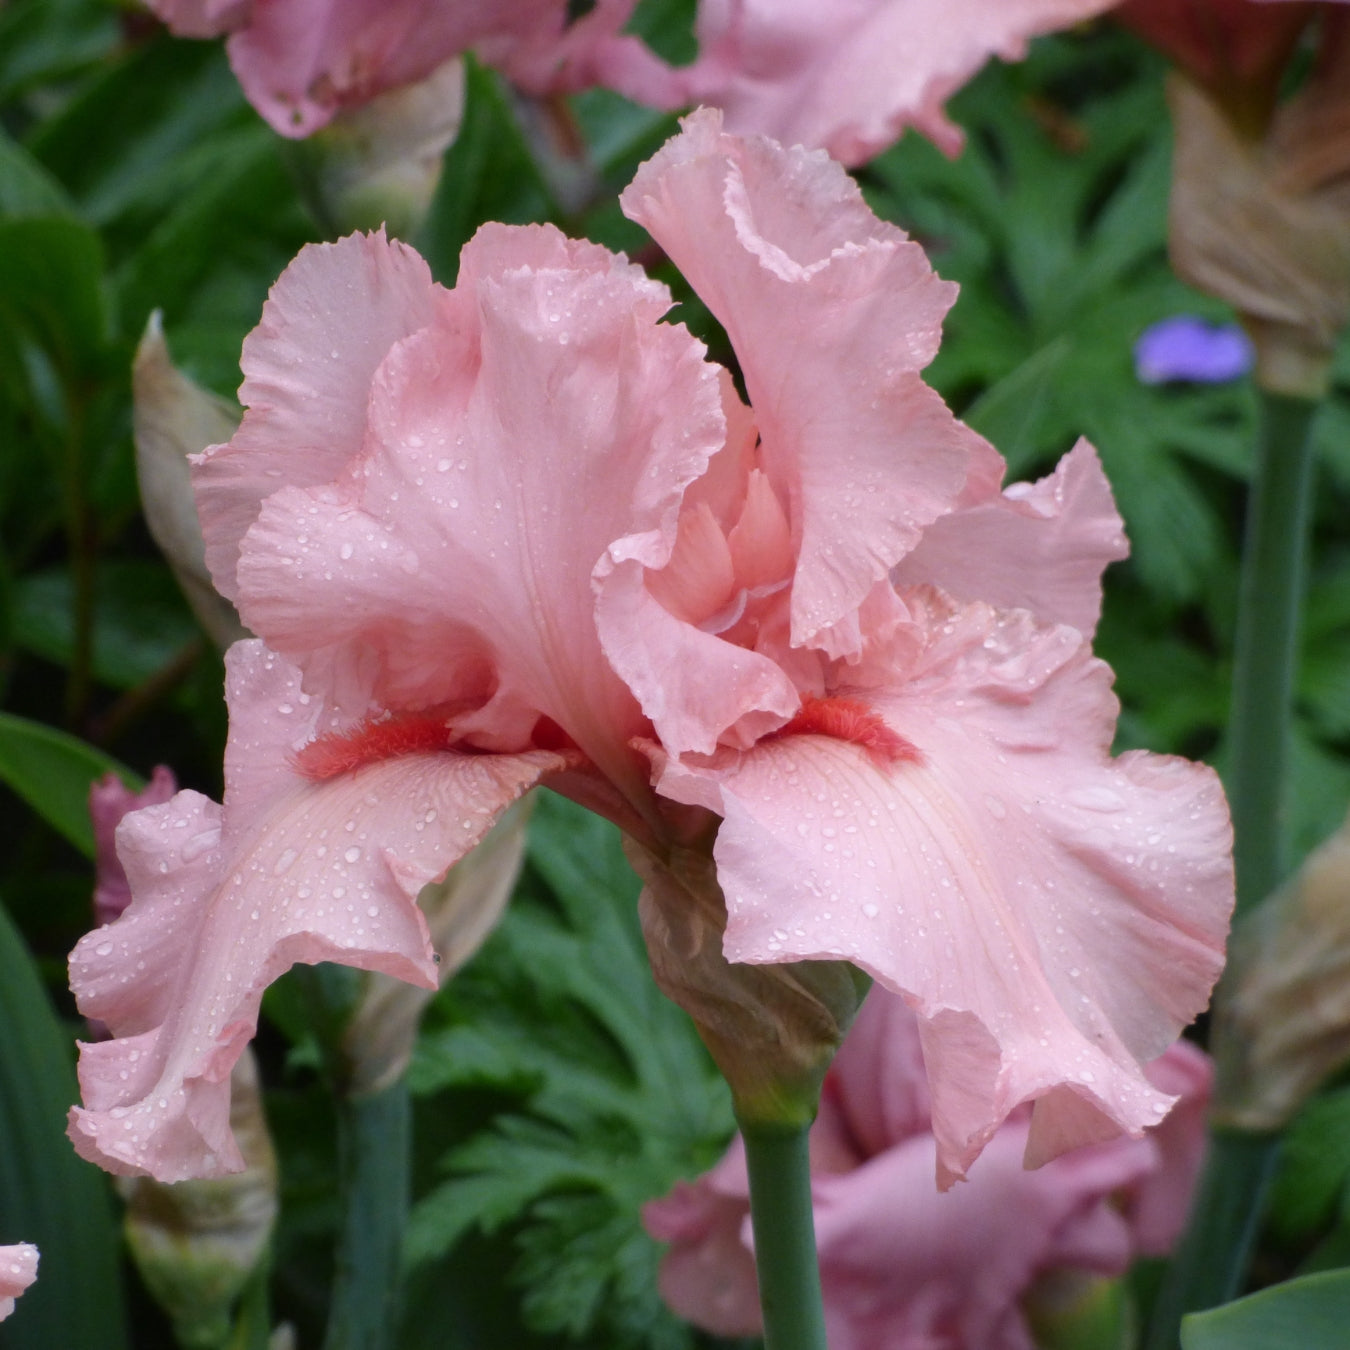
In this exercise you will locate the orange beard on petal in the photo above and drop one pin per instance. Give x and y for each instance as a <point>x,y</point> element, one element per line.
<point>340,752</point>
<point>848,719</point>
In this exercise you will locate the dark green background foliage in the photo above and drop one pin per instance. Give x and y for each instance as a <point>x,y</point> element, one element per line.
<point>555,1091</point>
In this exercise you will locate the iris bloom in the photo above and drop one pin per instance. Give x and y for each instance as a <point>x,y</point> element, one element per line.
<point>905,1267</point>
<point>851,77</point>
<point>302,61</point>
<point>523,532</point>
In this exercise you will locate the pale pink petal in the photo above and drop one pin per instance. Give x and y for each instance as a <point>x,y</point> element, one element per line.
<point>301,61</point>
<point>542,431</point>
<point>1158,1204</point>
<point>109,800</point>
<point>697,689</point>
<point>832,314</point>
<point>225,902</point>
<point>202,18</point>
<point>328,323</point>
<point>1053,915</point>
<point>851,76</point>
<point>18,1269</point>
<point>1038,546</point>
<point>905,1265</point>
<point>708,1275</point>
<point>877,1082</point>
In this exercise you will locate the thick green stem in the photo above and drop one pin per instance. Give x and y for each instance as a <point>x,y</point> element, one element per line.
<point>785,1236</point>
<point>1211,1261</point>
<point>1270,603</point>
<point>374,1140</point>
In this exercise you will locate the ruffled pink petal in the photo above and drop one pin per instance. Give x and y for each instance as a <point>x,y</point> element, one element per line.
<point>1038,546</point>
<point>832,313</point>
<point>109,800</point>
<point>18,1269</point>
<point>328,323</point>
<point>849,77</point>
<point>542,431</point>
<point>227,901</point>
<point>1053,915</point>
<point>697,689</point>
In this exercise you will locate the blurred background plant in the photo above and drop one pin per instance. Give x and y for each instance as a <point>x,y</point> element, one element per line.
<point>553,1088</point>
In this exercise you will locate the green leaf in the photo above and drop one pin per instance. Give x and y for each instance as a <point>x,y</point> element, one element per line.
<point>140,620</point>
<point>1309,1313</point>
<point>615,1097</point>
<point>26,188</point>
<point>1314,1169</point>
<point>52,772</point>
<point>48,1195</point>
<point>51,290</point>
<point>488,174</point>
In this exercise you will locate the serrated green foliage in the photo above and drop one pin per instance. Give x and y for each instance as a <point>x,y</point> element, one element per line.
<point>616,1098</point>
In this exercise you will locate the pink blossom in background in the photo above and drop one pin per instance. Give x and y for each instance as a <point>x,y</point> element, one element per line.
<point>851,76</point>
<point>109,800</point>
<point>906,1267</point>
<point>18,1269</point>
<point>301,61</point>
<point>522,532</point>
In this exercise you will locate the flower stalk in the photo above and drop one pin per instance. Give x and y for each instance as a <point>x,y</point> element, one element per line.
<point>785,1239</point>
<point>374,1147</point>
<point>1270,603</point>
<point>1215,1250</point>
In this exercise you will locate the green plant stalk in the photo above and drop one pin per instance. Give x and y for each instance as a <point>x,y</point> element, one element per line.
<point>374,1146</point>
<point>1211,1260</point>
<point>785,1237</point>
<point>1265,657</point>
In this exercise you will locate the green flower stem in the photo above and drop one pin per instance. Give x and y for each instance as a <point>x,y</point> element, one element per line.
<point>374,1143</point>
<point>1212,1259</point>
<point>785,1237</point>
<point>1270,604</point>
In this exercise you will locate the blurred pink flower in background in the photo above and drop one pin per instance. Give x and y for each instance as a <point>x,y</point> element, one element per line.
<point>109,800</point>
<point>301,61</point>
<point>850,77</point>
<point>18,1269</point>
<point>522,531</point>
<point>909,1268</point>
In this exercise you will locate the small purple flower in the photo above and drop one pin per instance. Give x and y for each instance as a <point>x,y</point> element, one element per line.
<point>1187,348</point>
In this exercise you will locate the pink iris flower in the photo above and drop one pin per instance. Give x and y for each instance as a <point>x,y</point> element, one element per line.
<point>852,76</point>
<point>904,1266</point>
<point>522,532</point>
<point>18,1269</point>
<point>302,61</point>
